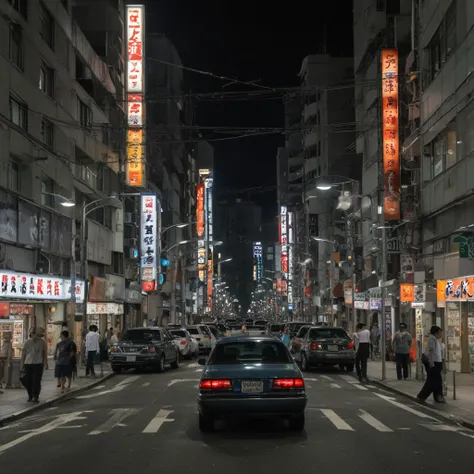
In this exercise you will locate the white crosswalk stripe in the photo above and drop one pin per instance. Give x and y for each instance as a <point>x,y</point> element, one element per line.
<point>372,421</point>
<point>335,385</point>
<point>336,420</point>
<point>360,387</point>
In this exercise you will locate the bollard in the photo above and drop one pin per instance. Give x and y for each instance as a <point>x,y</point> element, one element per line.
<point>454,385</point>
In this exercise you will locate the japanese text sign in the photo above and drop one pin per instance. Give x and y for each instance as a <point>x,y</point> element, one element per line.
<point>148,238</point>
<point>390,134</point>
<point>457,289</point>
<point>135,169</point>
<point>135,57</point>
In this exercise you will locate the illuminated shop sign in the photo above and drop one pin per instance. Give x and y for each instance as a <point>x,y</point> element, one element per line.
<point>258,259</point>
<point>149,234</point>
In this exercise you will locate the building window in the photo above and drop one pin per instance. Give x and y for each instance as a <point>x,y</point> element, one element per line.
<point>451,145</point>
<point>14,176</point>
<point>444,150</point>
<point>46,80</point>
<point>443,42</point>
<point>46,26</point>
<point>20,7</point>
<point>438,155</point>
<point>16,45</point>
<point>85,115</point>
<point>47,189</point>
<point>19,112</point>
<point>47,132</point>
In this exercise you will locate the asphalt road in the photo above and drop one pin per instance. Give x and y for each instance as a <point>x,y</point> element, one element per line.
<point>147,422</point>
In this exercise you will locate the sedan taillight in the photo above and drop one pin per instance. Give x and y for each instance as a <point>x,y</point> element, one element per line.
<point>182,342</point>
<point>316,347</point>
<point>285,384</point>
<point>113,349</point>
<point>209,384</point>
<point>151,349</point>
<point>351,346</point>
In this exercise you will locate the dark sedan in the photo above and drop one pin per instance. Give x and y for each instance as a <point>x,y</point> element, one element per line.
<point>325,346</point>
<point>251,376</point>
<point>144,347</point>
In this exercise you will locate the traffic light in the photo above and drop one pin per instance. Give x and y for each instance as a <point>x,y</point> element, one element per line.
<point>164,264</point>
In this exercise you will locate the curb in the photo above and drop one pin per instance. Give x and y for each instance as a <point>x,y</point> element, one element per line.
<point>56,401</point>
<point>446,416</point>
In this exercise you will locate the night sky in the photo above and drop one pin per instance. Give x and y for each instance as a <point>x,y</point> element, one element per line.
<point>257,40</point>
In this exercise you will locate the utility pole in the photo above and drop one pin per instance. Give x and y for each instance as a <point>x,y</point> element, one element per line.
<point>183,291</point>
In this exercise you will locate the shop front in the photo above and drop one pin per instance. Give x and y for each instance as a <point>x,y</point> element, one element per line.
<point>28,301</point>
<point>361,305</point>
<point>456,297</point>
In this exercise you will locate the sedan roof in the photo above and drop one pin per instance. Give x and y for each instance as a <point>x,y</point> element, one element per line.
<point>232,339</point>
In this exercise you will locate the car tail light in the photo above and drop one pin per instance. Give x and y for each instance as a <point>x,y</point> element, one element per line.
<point>316,347</point>
<point>183,342</point>
<point>113,349</point>
<point>209,384</point>
<point>288,383</point>
<point>351,346</point>
<point>151,349</point>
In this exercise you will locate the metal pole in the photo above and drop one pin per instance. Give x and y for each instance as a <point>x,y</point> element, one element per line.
<point>84,270</point>
<point>331,270</point>
<point>183,291</point>
<point>173,292</point>
<point>384,278</point>
<point>354,311</point>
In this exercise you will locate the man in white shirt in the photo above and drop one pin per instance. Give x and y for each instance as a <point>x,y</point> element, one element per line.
<point>92,348</point>
<point>362,343</point>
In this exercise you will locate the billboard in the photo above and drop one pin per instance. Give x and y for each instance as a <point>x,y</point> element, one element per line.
<point>200,210</point>
<point>291,262</point>
<point>284,239</point>
<point>258,261</point>
<point>149,237</point>
<point>135,87</point>
<point>390,134</point>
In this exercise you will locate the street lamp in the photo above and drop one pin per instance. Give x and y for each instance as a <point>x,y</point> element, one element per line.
<point>112,201</point>
<point>64,201</point>
<point>189,241</point>
<point>178,226</point>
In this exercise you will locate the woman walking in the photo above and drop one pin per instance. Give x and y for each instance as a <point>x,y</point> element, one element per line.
<point>432,359</point>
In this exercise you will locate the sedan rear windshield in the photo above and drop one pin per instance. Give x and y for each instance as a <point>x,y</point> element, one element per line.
<point>178,333</point>
<point>328,333</point>
<point>141,335</point>
<point>276,327</point>
<point>266,352</point>
<point>193,330</point>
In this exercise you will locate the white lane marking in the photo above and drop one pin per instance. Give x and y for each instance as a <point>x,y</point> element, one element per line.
<point>326,377</point>
<point>98,387</point>
<point>146,384</point>
<point>156,423</point>
<point>404,407</point>
<point>117,388</point>
<point>348,378</point>
<point>335,385</point>
<point>466,434</point>
<point>360,387</point>
<point>440,427</point>
<point>372,421</point>
<point>192,366</point>
<point>181,380</point>
<point>61,420</point>
<point>336,420</point>
<point>116,418</point>
<point>198,370</point>
<point>311,379</point>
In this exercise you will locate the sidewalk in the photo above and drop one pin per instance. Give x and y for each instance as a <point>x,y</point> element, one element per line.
<point>460,410</point>
<point>13,401</point>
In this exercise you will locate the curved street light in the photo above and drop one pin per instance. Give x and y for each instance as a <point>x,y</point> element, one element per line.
<point>64,201</point>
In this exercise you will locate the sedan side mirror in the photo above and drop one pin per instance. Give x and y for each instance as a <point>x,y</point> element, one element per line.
<point>202,361</point>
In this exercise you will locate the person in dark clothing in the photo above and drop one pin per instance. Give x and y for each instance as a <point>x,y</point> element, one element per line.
<point>65,351</point>
<point>362,342</point>
<point>401,346</point>
<point>433,361</point>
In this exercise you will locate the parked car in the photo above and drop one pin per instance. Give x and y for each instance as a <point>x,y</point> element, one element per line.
<point>325,346</point>
<point>183,342</point>
<point>297,340</point>
<point>260,322</point>
<point>144,347</point>
<point>294,327</point>
<point>204,337</point>
<point>273,387</point>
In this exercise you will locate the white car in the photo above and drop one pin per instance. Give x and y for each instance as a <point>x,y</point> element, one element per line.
<point>204,336</point>
<point>183,341</point>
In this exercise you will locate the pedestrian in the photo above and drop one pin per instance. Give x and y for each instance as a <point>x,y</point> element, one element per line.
<point>113,337</point>
<point>285,337</point>
<point>401,345</point>
<point>362,342</point>
<point>63,355</point>
<point>6,354</point>
<point>34,360</point>
<point>92,348</point>
<point>432,359</point>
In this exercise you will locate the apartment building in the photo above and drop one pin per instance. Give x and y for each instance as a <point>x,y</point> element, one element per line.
<point>60,104</point>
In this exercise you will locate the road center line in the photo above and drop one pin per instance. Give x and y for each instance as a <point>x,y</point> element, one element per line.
<point>370,420</point>
<point>336,420</point>
<point>406,408</point>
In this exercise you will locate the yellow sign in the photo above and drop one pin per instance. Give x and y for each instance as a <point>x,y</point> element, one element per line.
<point>134,162</point>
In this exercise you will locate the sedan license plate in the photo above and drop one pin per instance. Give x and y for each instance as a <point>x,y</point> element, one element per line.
<point>131,358</point>
<point>252,386</point>
<point>333,348</point>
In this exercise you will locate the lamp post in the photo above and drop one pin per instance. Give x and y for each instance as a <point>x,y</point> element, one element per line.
<point>112,201</point>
